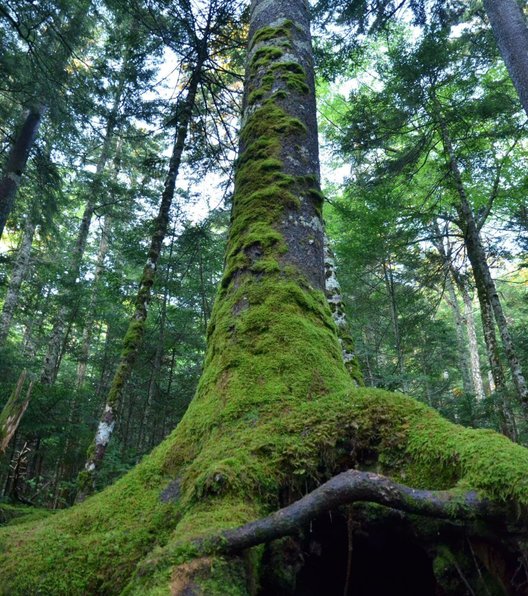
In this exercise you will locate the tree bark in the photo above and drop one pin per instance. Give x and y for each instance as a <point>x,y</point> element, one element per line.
<point>511,34</point>
<point>17,160</point>
<point>136,328</point>
<point>20,270</point>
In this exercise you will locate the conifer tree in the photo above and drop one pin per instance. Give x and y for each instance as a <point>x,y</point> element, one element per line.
<point>278,433</point>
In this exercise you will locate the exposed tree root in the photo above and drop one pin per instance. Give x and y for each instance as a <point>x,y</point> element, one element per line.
<point>350,487</point>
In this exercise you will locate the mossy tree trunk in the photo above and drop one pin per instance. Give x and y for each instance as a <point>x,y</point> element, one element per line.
<point>276,413</point>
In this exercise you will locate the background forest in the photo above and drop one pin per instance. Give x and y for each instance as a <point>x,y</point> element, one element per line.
<point>128,112</point>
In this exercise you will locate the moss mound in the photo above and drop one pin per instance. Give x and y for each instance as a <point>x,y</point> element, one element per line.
<point>128,538</point>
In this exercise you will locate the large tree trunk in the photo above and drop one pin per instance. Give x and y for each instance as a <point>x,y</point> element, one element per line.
<point>276,413</point>
<point>17,160</point>
<point>136,328</point>
<point>20,270</point>
<point>511,35</point>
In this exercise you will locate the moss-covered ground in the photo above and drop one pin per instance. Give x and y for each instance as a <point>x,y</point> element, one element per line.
<point>126,536</point>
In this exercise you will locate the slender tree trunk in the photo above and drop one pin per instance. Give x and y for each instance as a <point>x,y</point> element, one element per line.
<point>490,305</point>
<point>474,357</point>
<point>86,341</point>
<point>20,270</point>
<point>511,34</point>
<point>51,361</point>
<point>460,328</point>
<point>468,350</point>
<point>106,367</point>
<point>136,329</point>
<point>499,386</point>
<point>16,162</point>
<point>389,285</point>
<point>484,280</point>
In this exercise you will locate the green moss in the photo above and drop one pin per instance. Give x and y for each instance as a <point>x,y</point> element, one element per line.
<point>133,336</point>
<point>255,96</point>
<point>263,56</point>
<point>293,75</point>
<point>284,425</point>
<point>99,542</point>
<point>263,191</point>
<point>15,514</point>
<point>269,33</point>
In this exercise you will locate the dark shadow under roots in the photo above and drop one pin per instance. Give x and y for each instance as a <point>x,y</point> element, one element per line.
<point>382,561</point>
<point>375,551</point>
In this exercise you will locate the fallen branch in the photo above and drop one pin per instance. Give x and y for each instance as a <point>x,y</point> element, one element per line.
<point>351,487</point>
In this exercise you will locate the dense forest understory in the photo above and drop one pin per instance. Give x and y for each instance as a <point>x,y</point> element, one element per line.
<point>192,402</point>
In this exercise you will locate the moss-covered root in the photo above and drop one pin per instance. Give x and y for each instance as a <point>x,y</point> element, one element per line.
<point>396,434</point>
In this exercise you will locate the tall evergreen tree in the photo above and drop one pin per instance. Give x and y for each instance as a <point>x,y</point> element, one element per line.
<point>276,413</point>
